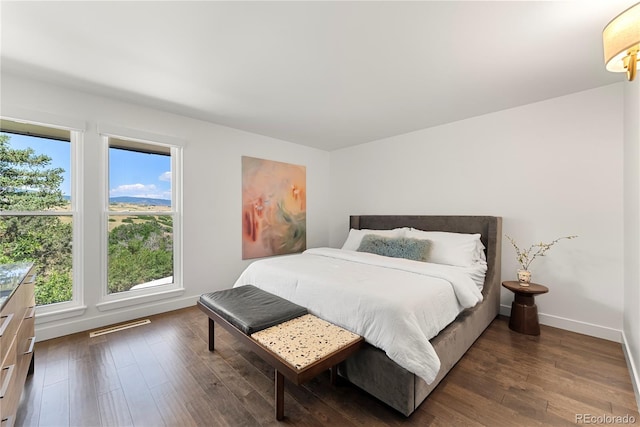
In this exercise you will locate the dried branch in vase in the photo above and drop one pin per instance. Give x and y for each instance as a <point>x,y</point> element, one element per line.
<point>525,257</point>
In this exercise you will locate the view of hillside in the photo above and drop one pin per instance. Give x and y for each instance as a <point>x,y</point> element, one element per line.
<point>139,201</point>
<point>140,247</point>
<point>135,201</point>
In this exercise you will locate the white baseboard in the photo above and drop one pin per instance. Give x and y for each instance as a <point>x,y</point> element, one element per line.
<point>573,325</point>
<point>633,369</point>
<point>48,331</point>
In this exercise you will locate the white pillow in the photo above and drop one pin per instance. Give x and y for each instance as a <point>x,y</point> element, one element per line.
<point>355,236</point>
<point>458,249</point>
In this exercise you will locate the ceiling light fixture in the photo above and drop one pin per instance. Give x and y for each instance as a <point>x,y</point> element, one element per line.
<point>621,38</point>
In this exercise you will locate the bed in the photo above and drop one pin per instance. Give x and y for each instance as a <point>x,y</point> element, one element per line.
<point>400,369</point>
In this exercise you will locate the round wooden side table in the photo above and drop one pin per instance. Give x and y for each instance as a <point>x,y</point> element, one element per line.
<point>524,311</point>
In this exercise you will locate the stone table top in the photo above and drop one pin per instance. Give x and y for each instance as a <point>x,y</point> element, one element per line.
<point>304,340</point>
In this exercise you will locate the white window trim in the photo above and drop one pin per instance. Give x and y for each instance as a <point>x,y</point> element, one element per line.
<point>74,307</point>
<point>145,295</point>
<point>41,118</point>
<point>59,313</point>
<point>114,131</point>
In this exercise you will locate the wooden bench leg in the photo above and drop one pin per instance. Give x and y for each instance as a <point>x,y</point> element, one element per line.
<point>211,337</point>
<point>279,396</point>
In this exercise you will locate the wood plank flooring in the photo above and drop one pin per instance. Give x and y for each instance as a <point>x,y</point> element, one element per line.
<point>163,374</point>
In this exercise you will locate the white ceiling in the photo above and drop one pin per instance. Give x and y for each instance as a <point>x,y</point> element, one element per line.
<point>322,74</point>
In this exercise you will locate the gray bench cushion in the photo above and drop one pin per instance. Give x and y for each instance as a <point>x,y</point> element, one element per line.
<point>251,309</point>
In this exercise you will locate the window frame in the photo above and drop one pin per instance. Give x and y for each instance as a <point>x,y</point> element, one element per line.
<point>76,129</point>
<point>110,301</point>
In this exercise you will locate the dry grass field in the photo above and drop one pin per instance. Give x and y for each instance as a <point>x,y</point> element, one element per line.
<point>116,220</point>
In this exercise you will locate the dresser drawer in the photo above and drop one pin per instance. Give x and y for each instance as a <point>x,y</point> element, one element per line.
<point>10,318</point>
<point>14,311</point>
<point>28,296</point>
<point>25,342</point>
<point>9,386</point>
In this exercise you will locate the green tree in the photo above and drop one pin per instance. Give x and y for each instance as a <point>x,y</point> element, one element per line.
<point>140,252</point>
<point>28,182</point>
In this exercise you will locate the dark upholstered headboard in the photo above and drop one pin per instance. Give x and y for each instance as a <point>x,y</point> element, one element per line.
<point>490,228</point>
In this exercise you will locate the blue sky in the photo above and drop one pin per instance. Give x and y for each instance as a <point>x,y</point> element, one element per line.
<point>130,173</point>
<point>139,174</point>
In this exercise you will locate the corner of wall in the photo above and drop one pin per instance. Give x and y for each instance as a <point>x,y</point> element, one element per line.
<point>633,371</point>
<point>631,316</point>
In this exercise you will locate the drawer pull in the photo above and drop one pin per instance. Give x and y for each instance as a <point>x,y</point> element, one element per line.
<point>7,380</point>
<point>32,314</point>
<point>33,342</point>
<point>7,421</point>
<point>29,279</point>
<point>5,323</point>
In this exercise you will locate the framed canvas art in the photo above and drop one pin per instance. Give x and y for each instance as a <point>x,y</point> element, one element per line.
<point>274,208</point>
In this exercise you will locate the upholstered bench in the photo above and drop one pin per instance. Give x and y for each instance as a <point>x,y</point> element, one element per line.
<point>298,345</point>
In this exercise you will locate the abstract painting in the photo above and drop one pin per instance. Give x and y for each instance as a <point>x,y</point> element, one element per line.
<point>274,208</point>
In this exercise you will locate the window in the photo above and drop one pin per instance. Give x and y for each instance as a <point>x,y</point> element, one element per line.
<point>38,215</point>
<point>44,206</point>
<point>142,217</point>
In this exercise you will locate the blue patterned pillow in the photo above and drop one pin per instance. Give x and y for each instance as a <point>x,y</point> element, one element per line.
<point>396,247</point>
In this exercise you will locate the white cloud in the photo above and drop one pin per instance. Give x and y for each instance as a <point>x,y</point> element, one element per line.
<point>133,190</point>
<point>125,188</point>
<point>149,191</point>
<point>165,176</point>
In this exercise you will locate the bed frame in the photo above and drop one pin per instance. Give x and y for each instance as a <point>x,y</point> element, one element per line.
<point>371,369</point>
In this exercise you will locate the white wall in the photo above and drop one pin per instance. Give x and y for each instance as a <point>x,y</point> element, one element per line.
<point>550,169</point>
<point>212,186</point>
<point>632,229</point>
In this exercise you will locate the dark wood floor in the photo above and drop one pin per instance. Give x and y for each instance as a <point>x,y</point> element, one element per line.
<point>163,374</point>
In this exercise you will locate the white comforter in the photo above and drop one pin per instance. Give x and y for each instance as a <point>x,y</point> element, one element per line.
<point>396,304</point>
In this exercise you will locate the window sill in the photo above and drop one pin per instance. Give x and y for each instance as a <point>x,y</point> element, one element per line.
<point>139,299</point>
<point>64,313</point>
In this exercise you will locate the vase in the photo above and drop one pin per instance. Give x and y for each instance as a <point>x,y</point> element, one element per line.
<point>524,277</point>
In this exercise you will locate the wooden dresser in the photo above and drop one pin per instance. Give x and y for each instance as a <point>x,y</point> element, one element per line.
<point>17,335</point>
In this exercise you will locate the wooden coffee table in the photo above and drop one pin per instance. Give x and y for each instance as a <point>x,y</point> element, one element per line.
<point>524,311</point>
